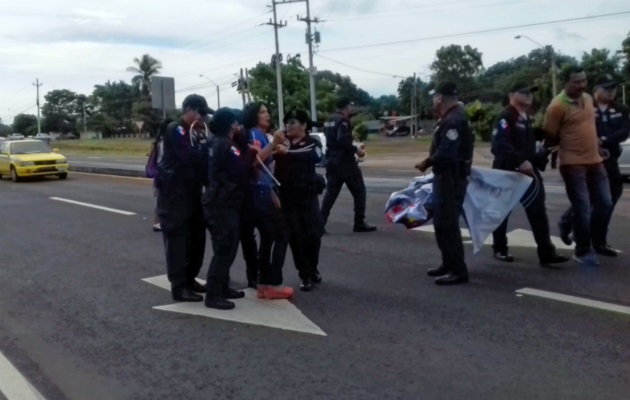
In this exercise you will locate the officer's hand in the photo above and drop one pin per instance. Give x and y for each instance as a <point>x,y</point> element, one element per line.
<point>604,153</point>
<point>280,150</point>
<point>527,168</point>
<point>278,138</point>
<point>422,166</point>
<point>361,152</point>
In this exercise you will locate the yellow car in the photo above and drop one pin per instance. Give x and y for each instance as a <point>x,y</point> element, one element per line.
<point>24,158</point>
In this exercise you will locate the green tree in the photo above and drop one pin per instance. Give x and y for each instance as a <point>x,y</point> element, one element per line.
<point>600,62</point>
<point>460,65</point>
<point>625,51</point>
<point>25,124</point>
<point>145,68</point>
<point>385,105</point>
<point>4,129</point>
<point>112,105</point>
<point>63,110</point>
<point>405,93</point>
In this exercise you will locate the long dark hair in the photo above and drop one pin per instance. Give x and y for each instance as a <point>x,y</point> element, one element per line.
<point>250,113</point>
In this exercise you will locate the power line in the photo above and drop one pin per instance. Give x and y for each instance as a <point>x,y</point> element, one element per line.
<point>360,69</point>
<point>507,28</point>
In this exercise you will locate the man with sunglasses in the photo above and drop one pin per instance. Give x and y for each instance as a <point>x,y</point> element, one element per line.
<point>514,148</point>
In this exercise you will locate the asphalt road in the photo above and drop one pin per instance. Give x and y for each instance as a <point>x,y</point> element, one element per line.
<point>77,321</point>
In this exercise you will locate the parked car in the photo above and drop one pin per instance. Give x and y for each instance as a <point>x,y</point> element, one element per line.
<point>25,158</point>
<point>44,137</point>
<point>16,136</point>
<point>624,160</point>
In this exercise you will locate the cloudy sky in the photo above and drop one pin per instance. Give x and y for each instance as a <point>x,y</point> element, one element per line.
<point>72,44</point>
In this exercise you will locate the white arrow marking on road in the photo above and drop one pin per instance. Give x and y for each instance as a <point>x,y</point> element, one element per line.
<point>13,385</point>
<point>575,300</point>
<point>280,314</point>
<point>516,238</point>
<point>93,206</point>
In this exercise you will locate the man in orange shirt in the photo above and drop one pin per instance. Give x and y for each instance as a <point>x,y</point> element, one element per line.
<point>570,123</point>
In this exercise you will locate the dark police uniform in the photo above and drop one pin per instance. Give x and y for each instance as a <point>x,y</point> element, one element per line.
<point>223,200</point>
<point>299,189</point>
<point>451,159</point>
<point>180,180</point>
<point>613,128</point>
<point>342,168</point>
<point>514,142</point>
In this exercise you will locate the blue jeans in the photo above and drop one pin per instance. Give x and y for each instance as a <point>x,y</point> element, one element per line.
<point>591,205</point>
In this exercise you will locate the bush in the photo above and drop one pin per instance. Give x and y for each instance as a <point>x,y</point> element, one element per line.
<point>361,131</point>
<point>482,118</point>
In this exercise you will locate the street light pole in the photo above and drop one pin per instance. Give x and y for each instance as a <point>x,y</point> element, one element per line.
<point>554,77</point>
<point>218,92</point>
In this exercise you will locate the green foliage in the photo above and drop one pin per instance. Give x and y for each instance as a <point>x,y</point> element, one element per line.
<point>460,65</point>
<point>361,131</point>
<point>63,111</point>
<point>144,68</point>
<point>24,124</point>
<point>482,118</point>
<point>4,129</point>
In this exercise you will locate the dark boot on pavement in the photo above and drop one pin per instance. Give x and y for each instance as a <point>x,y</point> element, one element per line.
<point>565,233</point>
<point>363,227</point>
<point>219,303</point>
<point>549,261</point>
<point>606,251</point>
<point>452,279</point>
<point>186,295</point>
<point>503,256</point>
<point>197,287</point>
<point>439,271</point>
<point>232,294</point>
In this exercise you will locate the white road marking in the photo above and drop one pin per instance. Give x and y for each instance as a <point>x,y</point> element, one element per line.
<point>93,206</point>
<point>14,385</point>
<point>95,158</point>
<point>280,314</point>
<point>575,300</point>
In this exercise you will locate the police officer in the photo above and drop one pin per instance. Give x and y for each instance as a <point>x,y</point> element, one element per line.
<point>180,179</point>
<point>299,188</point>
<point>451,159</point>
<point>342,167</point>
<point>228,169</point>
<point>612,121</point>
<point>514,148</point>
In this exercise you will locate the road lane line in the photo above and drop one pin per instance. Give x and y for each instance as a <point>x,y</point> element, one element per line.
<point>575,300</point>
<point>14,385</point>
<point>93,206</point>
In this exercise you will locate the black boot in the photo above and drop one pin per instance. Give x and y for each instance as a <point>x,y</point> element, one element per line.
<point>306,285</point>
<point>452,279</point>
<point>503,256</point>
<point>363,227</point>
<point>439,271</point>
<point>231,294</point>
<point>606,251</point>
<point>197,287</point>
<point>187,295</point>
<point>549,261</point>
<point>219,303</point>
<point>316,278</point>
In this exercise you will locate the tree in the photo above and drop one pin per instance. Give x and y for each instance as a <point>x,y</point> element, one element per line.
<point>405,93</point>
<point>600,62</point>
<point>145,68</point>
<point>385,105</point>
<point>112,105</point>
<point>4,129</point>
<point>458,64</point>
<point>63,110</point>
<point>625,50</point>
<point>25,124</point>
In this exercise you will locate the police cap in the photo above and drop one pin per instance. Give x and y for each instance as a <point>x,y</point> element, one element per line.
<point>445,88</point>
<point>606,81</point>
<point>198,103</point>
<point>522,87</point>
<point>299,115</point>
<point>222,121</point>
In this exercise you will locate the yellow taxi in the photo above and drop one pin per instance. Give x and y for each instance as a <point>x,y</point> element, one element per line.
<point>24,158</point>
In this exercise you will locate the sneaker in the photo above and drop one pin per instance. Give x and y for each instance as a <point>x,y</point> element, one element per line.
<point>503,256</point>
<point>316,278</point>
<point>306,285</point>
<point>157,228</point>
<point>588,259</point>
<point>278,292</point>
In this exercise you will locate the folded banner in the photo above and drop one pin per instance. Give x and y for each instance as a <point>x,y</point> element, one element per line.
<point>491,195</point>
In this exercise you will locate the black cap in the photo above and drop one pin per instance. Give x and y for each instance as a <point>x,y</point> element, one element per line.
<point>445,88</point>
<point>300,115</point>
<point>222,121</point>
<point>198,103</point>
<point>522,87</point>
<point>606,81</point>
<point>344,102</point>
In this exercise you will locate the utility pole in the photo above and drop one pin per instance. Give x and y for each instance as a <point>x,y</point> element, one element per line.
<point>242,87</point>
<point>554,73</point>
<point>277,58</point>
<point>309,40</point>
<point>414,106</point>
<point>249,95</point>
<point>84,121</point>
<point>218,91</point>
<point>39,121</point>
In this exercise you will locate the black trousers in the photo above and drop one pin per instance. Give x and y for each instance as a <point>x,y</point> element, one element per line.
<point>260,214</point>
<point>338,174</point>
<point>537,217</point>
<point>224,226</point>
<point>305,228</point>
<point>615,179</point>
<point>184,234</point>
<point>449,192</point>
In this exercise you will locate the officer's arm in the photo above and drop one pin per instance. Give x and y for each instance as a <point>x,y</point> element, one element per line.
<point>446,152</point>
<point>344,138</point>
<point>217,161</point>
<point>551,124</point>
<point>311,154</point>
<point>623,131</point>
<point>503,145</point>
<point>265,152</point>
<point>180,144</point>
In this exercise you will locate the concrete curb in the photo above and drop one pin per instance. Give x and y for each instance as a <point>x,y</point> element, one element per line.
<point>108,171</point>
